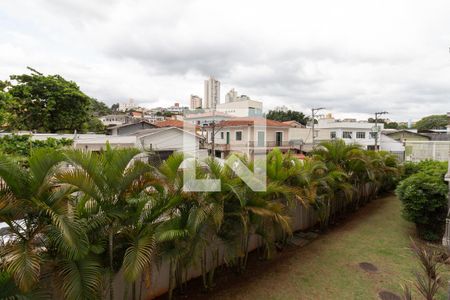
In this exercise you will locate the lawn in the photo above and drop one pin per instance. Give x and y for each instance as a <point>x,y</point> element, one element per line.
<point>328,268</point>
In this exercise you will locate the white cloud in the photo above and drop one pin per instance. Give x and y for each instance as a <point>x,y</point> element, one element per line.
<point>353,57</point>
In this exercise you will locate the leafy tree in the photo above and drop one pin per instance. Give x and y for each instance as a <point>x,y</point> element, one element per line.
<point>7,104</point>
<point>43,227</point>
<point>23,145</point>
<point>424,198</point>
<point>115,107</point>
<point>110,211</point>
<point>99,108</point>
<point>391,125</point>
<point>432,122</point>
<point>48,103</point>
<point>387,125</point>
<point>290,115</point>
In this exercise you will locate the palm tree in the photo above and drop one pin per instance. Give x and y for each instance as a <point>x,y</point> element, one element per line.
<point>105,182</point>
<point>43,225</point>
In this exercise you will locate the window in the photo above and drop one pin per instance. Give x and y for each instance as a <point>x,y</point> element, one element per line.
<point>333,135</point>
<point>221,135</point>
<point>360,135</point>
<point>347,135</point>
<point>238,135</point>
<point>261,138</point>
<point>279,138</point>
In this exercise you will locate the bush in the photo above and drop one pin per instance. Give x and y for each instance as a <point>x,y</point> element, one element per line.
<point>424,197</point>
<point>433,167</point>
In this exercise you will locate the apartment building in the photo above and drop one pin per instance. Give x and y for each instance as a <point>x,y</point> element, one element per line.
<point>212,93</point>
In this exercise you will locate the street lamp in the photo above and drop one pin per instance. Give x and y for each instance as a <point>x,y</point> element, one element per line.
<point>313,116</point>
<point>376,127</point>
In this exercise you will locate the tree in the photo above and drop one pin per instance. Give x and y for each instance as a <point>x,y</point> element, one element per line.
<point>99,108</point>
<point>107,181</point>
<point>115,107</point>
<point>391,125</point>
<point>23,145</point>
<point>7,104</point>
<point>432,122</point>
<point>424,198</point>
<point>290,115</point>
<point>48,103</point>
<point>44,227</point>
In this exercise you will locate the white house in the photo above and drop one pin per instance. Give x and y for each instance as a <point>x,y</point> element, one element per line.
<point>114,120</point>
<point>351,131</point>
<point>357,132</point>
<point>249,136</point>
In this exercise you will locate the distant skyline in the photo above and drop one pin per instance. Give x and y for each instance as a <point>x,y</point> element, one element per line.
<point>352,57</point>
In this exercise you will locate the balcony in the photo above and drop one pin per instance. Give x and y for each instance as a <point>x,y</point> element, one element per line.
<point>250,144</point>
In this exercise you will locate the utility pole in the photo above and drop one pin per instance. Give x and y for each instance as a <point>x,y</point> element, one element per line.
<point>376,127</point>
<point>213,133</point>
<point>313,118</point>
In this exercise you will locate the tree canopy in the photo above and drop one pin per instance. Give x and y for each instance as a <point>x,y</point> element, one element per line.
<point>432,122</point>
<point>290,115</point>
<point>47,103</point>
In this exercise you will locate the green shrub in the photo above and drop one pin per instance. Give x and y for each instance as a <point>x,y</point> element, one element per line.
<point>433,167</point>
<point>410,168</point>
<point>424,197</point>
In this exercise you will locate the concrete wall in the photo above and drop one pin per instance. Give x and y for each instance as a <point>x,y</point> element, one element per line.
<point>421,150</point>
<point>302,219</point>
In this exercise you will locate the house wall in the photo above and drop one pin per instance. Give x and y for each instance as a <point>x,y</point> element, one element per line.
<point>249,134</point>
<point>408,136</point>
<point>244,108</point>
<point>421,150</point>
<point>170,139</point>
<point>304,134</point>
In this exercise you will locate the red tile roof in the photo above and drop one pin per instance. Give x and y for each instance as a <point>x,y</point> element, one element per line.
<point>170,123</point>
<point>294,123</point>
<point>174,123</point>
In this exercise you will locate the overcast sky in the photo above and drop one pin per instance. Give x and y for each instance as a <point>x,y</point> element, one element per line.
<point>352,57</point>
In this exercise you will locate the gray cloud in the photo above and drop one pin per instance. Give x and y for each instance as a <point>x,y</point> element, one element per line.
<point>351,57</point>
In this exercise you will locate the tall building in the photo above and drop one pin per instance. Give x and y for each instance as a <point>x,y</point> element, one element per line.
<point>231,96</point>
<point>124,106</point>
<point>196,102</point>
<point>212,93</point>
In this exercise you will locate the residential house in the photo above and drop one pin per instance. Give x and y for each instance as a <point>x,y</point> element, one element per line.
<point>407,135</point>
<point>114,120</point>
<point>167,140</point>
<point>357,132</point>
<point>249,136</point>
<point>349,130</point>
<point>131,128</point>
<point>299,136</point>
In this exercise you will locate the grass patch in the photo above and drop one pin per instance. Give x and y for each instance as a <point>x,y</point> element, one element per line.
<point>328,268</point>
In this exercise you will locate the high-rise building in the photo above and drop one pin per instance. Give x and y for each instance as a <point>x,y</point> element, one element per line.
<point>212,93</point>
<point>196,102</point>
<point>231,96</point>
